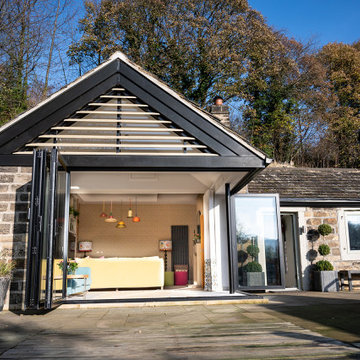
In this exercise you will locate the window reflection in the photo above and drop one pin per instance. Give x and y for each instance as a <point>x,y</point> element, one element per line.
<point>257,239</point>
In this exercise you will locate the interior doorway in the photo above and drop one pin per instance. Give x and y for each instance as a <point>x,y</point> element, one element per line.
<point>290,238</point>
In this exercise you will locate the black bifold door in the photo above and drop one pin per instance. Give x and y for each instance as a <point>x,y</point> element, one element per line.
<point>48,223</point>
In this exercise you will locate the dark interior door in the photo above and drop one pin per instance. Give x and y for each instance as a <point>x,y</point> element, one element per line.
<point>44,240</point>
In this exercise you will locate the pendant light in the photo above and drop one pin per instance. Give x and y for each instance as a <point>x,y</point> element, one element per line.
<point>110,218</point>
<point>130,212</point>
<point>136,218</point>
<point>121,224</point>
<point>103,214</point>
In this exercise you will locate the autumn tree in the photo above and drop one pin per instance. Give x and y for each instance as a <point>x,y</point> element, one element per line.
<point>340,143</point>
<point>199,48</point>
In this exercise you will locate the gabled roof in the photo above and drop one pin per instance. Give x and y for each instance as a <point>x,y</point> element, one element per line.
<point>308,184</point>
<point>96,114</point>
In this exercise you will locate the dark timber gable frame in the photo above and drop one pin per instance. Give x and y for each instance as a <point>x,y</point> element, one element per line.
<point>230,152</point>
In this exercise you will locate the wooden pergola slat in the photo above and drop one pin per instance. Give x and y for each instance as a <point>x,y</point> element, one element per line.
<point>124,137</point>
<point>114,145</point>
<point>99,153</point>
<point>117,97</point>
<point>137,129</point>
<point>125,121</point>
<point>142,113</point>
<point>118,105</point>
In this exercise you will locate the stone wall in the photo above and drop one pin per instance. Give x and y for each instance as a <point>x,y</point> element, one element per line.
<point>15,188</point>
<point>316,216</point>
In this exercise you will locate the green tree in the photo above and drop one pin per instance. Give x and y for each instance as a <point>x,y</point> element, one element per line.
<point>200,48</point>
<point>342,114</point>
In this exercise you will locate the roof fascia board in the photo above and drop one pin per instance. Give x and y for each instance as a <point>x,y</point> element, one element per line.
<point>130,162</point>
<point>52,97</point>
<point>170,104</point>
<point>44,118</point>
<point>186,103</point>
<point>319,203</point>
<point>144,163</point>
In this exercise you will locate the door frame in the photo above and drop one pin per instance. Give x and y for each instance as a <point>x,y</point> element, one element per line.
<point>233,263</point>
<point>44,161</point>
<point>296,237</point>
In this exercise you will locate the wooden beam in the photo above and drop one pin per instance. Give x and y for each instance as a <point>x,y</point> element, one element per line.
<point>117,97</point>
<point>116,105</point>
<point>97,153</point>
<point>126,137</point>
<point>141,113</point>
<point>124,129</point>
<point>129,121</point>
<point>114,145</point>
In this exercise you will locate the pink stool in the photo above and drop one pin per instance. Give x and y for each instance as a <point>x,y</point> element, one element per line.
<point>180,274</point>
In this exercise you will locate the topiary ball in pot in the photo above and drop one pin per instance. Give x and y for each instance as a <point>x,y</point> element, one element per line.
<point>253,251</point>
<point>324,229</point>
<point>324,265</point>
<point>253,266</point>
<point>324,249</point>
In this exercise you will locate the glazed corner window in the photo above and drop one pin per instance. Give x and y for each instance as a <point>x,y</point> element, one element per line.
<point>353,229</point>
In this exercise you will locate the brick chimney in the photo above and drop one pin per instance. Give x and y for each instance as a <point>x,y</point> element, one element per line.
<point>220,110</point>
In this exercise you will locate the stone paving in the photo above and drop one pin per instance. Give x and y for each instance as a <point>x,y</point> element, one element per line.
<point>233,331</point>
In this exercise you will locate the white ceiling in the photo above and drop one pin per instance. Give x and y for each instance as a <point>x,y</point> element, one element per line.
<point>148,187</point>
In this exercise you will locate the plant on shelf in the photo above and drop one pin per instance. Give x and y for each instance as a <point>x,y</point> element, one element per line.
<point>6,269</point>
<point>71,266</point>
<point>196,238</point>
<point>73,212</point>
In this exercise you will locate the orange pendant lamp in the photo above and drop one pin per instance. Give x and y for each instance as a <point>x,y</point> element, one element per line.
<point>136,218</point>
<point>103,214</point>
<point>110,218</point>
<point>121,224</point>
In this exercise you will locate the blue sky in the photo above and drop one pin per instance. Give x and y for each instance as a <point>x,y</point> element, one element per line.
<point>323,21</point>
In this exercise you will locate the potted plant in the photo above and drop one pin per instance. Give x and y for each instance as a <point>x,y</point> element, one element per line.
<point>325,278</point>
<point>6,268</point>
<point>71,266</point>
<point>253,270</point>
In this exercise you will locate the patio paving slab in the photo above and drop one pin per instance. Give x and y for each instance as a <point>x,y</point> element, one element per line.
<point>173,332</point>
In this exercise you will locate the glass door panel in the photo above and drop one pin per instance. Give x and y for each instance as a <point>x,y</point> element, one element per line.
<point>60,233</point>
<point>258,245</point>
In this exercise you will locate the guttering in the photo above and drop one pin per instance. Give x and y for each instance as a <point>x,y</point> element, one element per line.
<point>321,203</point>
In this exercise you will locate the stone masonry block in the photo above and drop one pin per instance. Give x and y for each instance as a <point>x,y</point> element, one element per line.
<point>4,228</point>
<point>320,213</point>
<point>330,221</point>
<point>335,251</point>
<point>7,197</point>
<point>8,169</point>
<point>313,221</point>
<point>6,179</point>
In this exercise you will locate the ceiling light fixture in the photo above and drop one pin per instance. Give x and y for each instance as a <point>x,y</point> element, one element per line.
<point>136,218</point>
<point>103,214</point>
<point>121,224</point>
<point>110,218</point>
<point>130,212</point>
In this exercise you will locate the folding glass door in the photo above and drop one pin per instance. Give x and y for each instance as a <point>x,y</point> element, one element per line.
<point>48,219</point>
<point>257,247</point>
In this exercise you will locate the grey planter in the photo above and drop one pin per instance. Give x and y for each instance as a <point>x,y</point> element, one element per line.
<point>255,279</point>
<point>4,286</point>
<point>326,281</point>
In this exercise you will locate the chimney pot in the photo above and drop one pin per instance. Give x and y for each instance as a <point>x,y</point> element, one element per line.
<point>220,110</point>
